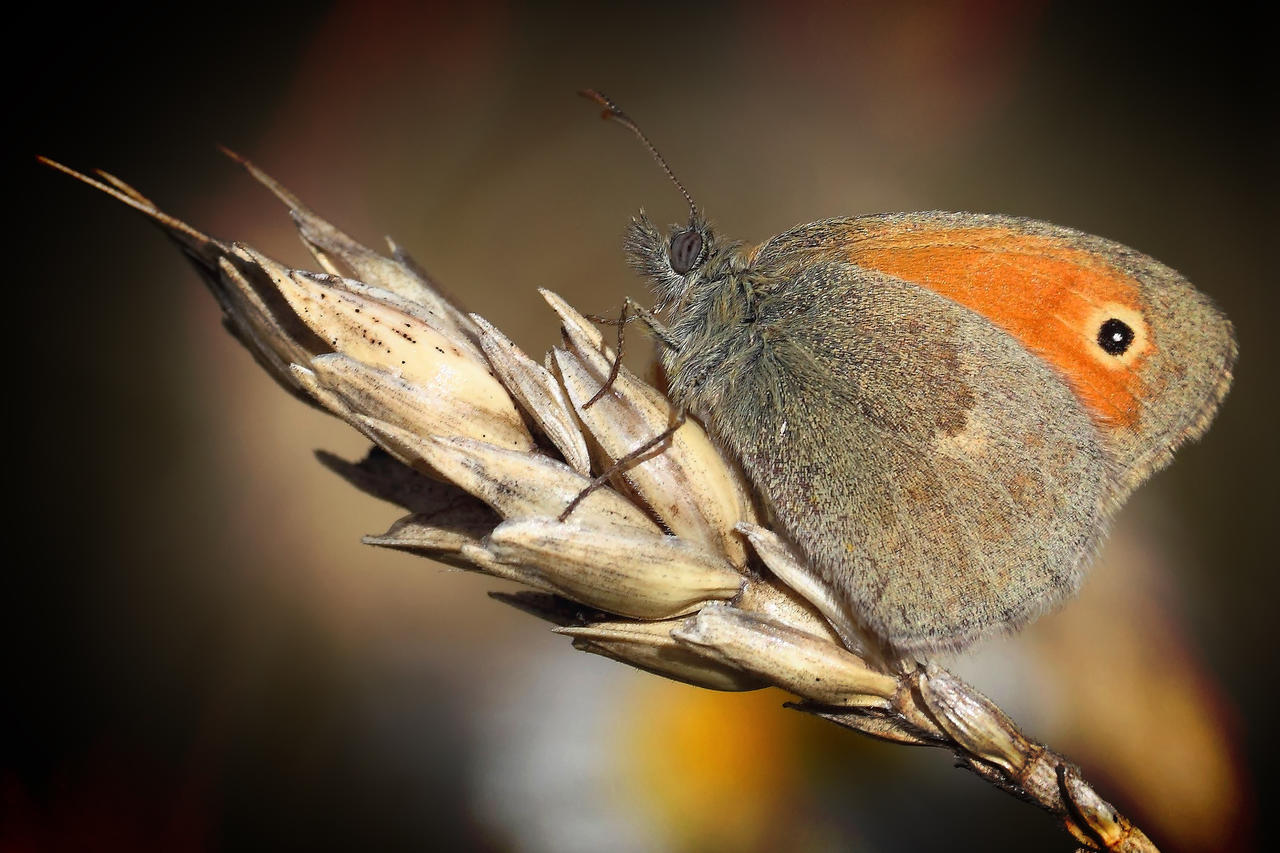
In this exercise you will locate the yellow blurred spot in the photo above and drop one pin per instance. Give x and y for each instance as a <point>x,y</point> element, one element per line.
<point>716,771</point>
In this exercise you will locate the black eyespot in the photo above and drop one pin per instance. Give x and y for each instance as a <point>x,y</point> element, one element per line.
<point>1115,336</point>
<point>686,249</point>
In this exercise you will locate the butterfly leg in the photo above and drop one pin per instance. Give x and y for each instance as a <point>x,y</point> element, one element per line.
<point>631,310</point>
<point>621,323</point>
<point>655,325</point>
<point>623,463</point>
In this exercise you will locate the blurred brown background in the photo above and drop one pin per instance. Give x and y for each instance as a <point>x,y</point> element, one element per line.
<point>200,655</point>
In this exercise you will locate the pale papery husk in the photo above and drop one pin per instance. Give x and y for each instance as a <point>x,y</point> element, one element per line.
<point>653,570</point>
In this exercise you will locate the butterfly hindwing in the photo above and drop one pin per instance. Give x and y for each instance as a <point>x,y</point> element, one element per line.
<point>914,452</point>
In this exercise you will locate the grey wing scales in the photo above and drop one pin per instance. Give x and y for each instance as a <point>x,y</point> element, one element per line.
<point>941,479</point>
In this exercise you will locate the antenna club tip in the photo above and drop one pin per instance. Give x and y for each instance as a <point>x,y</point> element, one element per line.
<point>610,108</point>
<point>612,111</point>
<point>233,155</point>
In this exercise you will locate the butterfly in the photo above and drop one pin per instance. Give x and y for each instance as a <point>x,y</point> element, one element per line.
<point>940,411</point>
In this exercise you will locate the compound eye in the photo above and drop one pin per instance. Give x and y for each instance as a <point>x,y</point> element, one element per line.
<point>686,250</point>
<point>1115,337</point>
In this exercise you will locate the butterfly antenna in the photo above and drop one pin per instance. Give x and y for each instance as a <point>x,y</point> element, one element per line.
<point>611,111</point>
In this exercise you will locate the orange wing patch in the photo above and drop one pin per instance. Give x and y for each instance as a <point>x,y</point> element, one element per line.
<point>1049,296</point>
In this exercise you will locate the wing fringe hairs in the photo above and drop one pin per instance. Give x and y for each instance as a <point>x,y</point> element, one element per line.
<point>665,568</point>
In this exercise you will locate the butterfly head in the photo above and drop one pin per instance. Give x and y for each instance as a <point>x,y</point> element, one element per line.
<point>676,261</point>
